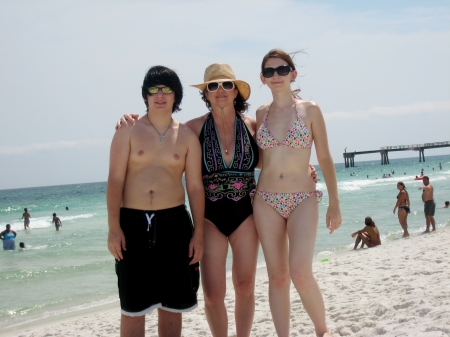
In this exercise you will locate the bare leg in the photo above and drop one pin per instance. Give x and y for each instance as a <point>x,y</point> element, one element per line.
<point>132,326</point>
<point>272,233</point>
<point>169,323</point>
<point>432,222</point>
<point>365,240</point>
<point>302,231</point>
<point>428,222</point>
<point>244,244</point>
<point>357,241</point>
<point>402,217</point>
<point>213,271</point>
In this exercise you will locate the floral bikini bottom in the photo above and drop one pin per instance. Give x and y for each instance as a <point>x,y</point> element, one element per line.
<point>285,203</point>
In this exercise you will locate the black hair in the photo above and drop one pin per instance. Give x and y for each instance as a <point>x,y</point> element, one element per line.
<point>26,210</point>
<point>22,245</point>
<point>8,225</point>
<point>160,75</point>
<point>240,106</point>
<point>54,214</point>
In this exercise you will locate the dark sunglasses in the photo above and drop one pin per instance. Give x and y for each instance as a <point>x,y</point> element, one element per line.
<point>214,86</point>
<point>164,90</point>
<point>281,70</point>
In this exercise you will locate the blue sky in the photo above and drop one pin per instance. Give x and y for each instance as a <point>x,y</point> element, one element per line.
<point>378,69</point>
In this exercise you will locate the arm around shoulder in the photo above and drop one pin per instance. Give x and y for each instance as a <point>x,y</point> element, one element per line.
<point>119,154</point>
<point>196,194</point>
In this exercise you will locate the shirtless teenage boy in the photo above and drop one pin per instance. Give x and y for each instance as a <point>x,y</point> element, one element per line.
<point>26,219</point>
<point>429,204</point>
<point>150,230</point>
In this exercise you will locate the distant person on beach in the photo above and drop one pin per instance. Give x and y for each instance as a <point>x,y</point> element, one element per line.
<point>8,236</point>
<point>446,204</point>
<point>57,221</point>
<point>440,166</point>
<point>22,245</point>
<point>67,208</point>
<point>369,235</point>
<point>26,219</point>
<point>429,204</point>
<point>151,236</point>
<point>403,207</point>
<point>286,204</point>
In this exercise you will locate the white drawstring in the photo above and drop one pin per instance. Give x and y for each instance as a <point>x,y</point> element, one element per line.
<point>149,219</point>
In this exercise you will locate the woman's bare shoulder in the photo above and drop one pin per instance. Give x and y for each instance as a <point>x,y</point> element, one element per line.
<point>250,122</point>
<point>262,110</point>
<point>196,124</point>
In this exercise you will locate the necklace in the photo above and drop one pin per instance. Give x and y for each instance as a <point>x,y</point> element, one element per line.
<point>224,120</point>
<point>161,136</point>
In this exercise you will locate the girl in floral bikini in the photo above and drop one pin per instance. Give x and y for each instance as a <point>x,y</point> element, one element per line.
<point>286,204</point>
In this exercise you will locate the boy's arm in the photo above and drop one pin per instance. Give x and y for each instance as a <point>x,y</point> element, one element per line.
<point>118,161</point>
<point>196,195</point>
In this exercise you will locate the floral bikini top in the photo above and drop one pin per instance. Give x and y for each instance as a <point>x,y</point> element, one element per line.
<point>298,135</point>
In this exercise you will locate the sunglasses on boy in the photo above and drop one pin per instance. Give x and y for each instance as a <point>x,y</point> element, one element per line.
<point>164,90</point>
<point>281,70</point>
<point>214,86</point>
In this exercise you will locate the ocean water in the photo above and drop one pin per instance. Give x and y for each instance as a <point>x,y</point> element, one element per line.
<point>72,270</point>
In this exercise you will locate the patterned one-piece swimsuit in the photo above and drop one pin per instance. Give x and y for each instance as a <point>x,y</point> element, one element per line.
<point>298,136</point>
<point>228,188</point>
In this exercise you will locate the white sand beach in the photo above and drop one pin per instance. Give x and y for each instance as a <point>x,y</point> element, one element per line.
<point>401,288</point>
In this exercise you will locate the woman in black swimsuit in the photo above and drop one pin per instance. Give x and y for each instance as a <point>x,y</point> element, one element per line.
<point>403,207</point>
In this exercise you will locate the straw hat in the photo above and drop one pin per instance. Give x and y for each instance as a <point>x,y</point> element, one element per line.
<point>221,72</point>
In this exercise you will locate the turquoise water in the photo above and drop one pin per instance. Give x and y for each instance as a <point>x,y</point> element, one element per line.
<point>72,269</point>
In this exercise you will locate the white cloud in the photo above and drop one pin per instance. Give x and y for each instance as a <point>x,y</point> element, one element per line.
<point>410,109</point>
<point>63,144</point>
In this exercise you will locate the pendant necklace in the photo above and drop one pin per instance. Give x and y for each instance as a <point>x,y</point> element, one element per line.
<point>224,120</point>
<point>161,136</point>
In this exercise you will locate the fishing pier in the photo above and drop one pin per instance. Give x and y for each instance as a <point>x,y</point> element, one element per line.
<point>349,157</point>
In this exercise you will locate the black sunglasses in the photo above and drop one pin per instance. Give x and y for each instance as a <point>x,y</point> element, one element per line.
<point>281,70</point>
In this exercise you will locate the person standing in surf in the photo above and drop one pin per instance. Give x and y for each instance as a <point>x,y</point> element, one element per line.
<point>26,219</point>
<point>57,221</point>
<point>403,207</point>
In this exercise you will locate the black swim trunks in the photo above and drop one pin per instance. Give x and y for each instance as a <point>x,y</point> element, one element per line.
<point>429,207</point>
<point>155,270</point>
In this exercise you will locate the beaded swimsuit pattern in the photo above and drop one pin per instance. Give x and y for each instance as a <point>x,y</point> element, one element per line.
<point>236,180</point>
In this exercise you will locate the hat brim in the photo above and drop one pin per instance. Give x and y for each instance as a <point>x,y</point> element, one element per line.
<point>243,87</point>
